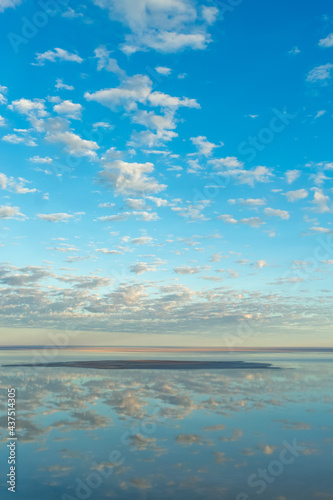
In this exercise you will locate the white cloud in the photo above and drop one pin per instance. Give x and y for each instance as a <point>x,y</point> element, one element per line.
<point>15,186</point>
<point>127,178</point>
<point>229,219</point>
<point>137,89</point>
<point>294,51</point>
<point>261,263</point>
<point>142,240</point>
<point>131,91</point>
<point>56,217</point>
<point>8,212</point>
<point>115,218</point>
<point>108,252</point>
<point>209,14</point>
<point>56,55</point>
<point>57,132</point>
<point>146,216</point>
<point>251,176</point>
<point>106,205</point>
<point>320,73</point>
<point>250,202</point>
<point>217,257</point>
<point>187,270</point>
<point>142,267</point>
<point>135,204</point>
<point>204,147</point>
<point>292,175</point>
<point>6,4</point>
<point>326,42</point>
<point>321,201</point>
<point>250,221</point>
<point>300,194</point>
<point>3,91</point>
<point>38,159</point>
<point>159,202</point>
<point>163,70</point>
<point>106,62</point>
<point>60,85</point>
<point>165,100</point>
<point>165,26</point>
<point>320,113</point>
<point>318,229</point>
<point>69,109</point>
<point>193,212</point>
<point>169,42</point>
<point>102,125</point>
<point>19,139</point>
<point>272,212</point>
<point>229,162</point>
<point>35,107</point>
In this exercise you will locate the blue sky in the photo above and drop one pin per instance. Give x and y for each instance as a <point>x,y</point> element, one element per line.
<point>166,172</point>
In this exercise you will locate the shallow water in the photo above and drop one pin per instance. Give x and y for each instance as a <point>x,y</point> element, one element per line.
<point>160,434</point>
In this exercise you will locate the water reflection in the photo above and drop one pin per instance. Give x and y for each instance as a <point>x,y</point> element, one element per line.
<point>172,434</point>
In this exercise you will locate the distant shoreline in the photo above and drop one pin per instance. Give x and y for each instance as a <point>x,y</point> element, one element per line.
<point>151,365</point>
<point>165,348</point>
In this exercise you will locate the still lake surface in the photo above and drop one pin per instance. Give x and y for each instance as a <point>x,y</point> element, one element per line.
<point>161,434</point>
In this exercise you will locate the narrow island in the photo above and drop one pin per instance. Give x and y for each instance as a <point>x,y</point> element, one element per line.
<point>160,364</point>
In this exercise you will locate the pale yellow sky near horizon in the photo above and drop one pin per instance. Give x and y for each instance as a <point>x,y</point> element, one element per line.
<point>62,338</point>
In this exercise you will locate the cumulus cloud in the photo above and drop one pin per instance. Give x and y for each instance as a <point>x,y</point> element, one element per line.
<point>29,107</point>
<point>292,175</point>
<point>187,270</point>
<point>104,61</point>
<point>235,171</point>
<point>56,217</point>
<point>69,109</point>
<point>204,147</point>
<point>250,202</point>
<point>56,55</point>
<point>131,91</point>
<point>319,229</point>
<point>142,267</point>
<point>60,85</point>
<point>116,217</point>
<point>299,194</point>
<point>321,201</point>
<point>320,74</point>
<point>19,139</point>
<point>16,186</point>
<point>142,240</point>
<point>43,160</point>
<point>327,41</point>
<point>272,212</point>
<point>261,263</point>
<point>168,26</point>
<point>130,178</point>
<point>6,4</point>
<point>163,70</point>
<point>58,132</point>
<point>250,221</point>
<point>3,91</point>
<point>8,212</point>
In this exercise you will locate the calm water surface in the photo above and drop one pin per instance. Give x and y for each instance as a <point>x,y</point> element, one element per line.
<point>144,434</point>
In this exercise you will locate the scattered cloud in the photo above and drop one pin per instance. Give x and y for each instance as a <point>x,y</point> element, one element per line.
<point>55,56</point>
